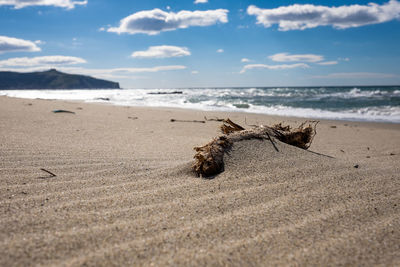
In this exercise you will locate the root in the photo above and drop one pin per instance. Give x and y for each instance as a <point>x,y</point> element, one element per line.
<point>301,137</point>
<point>229,127</point>
<point>209,158</point>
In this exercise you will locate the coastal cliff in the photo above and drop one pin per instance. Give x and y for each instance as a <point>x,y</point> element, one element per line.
<point>51,79</point>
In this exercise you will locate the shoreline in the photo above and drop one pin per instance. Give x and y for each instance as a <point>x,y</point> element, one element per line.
<point>240,111</point>
<point>124,192</point>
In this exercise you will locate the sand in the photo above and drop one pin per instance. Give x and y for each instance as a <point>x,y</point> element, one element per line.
<point>124,193</point>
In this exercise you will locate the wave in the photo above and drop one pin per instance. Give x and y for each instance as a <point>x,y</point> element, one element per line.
<point>343,103</point>
<point>376,114</point>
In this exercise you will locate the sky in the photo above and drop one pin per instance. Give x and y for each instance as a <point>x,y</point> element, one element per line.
<point>205,43</point>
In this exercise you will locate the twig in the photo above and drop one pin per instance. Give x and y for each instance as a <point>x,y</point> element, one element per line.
<point>315,131</point>
<point>252,125</point>
<point>229,127</point>
<point>174,120</point>
<point>320,154</point>
<point>213,119</point>
<point>63,111</point>
<point>49,172</point>
<point>272,142</point>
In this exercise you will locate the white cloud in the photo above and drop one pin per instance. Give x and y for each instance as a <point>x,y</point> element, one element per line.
<point>300,17</point>
<point>163,51</point>
<point>195,72</point>
<point>200,1</point>
<point>9,44</point>
<point>132,70</point>
<point>220,50</point>
<point>327,63</point>
<point>154,21</point>
<point>57,3</point>
<point>121,73</point>
<point>285,57</point>
<point>41,61</point>
<point>344,59</point>
<point>273,67</point>
<point>356,75</point>
<point>244,60</point>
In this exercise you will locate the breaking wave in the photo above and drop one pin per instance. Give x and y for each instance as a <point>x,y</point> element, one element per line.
<point>343,103</point>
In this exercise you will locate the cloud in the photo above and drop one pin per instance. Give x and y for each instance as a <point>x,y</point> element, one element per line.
<point>57,3</point>
<point>327,63</point>
<point>200,1</point>
<point>220,50</point>
<point>9,44</point>
<point>356,75</point>
<point>285,57</point>
<point>122,72</point>
<point>41,61</point>
<point>273,67</point>
<point>163,51</point>
<point>154,21</point>
<point>300,17</point>
<point>195,72</point>
<point>245,60</point>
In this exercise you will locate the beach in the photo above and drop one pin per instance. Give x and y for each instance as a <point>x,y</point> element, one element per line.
<point>124,192</point>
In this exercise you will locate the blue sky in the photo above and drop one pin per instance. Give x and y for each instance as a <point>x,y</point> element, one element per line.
<point>167,44</point>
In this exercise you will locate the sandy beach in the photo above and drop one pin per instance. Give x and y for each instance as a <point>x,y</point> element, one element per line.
<point>124,192</point>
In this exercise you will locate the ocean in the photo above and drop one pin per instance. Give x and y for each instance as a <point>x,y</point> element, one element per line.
<point>355,103</point>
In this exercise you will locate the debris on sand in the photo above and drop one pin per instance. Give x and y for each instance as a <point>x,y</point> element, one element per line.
<point>174,120</point>
<point>209,158</point>
<point>166,93</point>
<point>63,111</point>
<point>102,98</point>
<point>49,172</point>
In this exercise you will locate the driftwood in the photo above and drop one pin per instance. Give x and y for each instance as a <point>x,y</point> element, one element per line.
<point>102,98</point>
<point>213,119</point>
<point>62,111</point>
<point>209,158</point>
<point>174,120</point>
<point>166,93</point>
<point>49,172</point>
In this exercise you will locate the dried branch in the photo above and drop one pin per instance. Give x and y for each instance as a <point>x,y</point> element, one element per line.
<point>209,158</point>
<point>213,119</point>
<point>63,111</point>
<point>174,120</point>
<point>49,172</point>
<point>251,125</point>
<point>229,127</point>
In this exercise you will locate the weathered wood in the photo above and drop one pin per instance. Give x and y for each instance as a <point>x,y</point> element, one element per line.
<point>209,158</point>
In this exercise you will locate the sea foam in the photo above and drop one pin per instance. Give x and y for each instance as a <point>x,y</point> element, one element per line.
<point>343,103</point>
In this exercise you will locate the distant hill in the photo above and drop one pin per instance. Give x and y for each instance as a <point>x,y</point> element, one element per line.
<point>51,79</point>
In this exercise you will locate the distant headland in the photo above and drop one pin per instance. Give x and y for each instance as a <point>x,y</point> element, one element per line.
<point>51,79</point>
